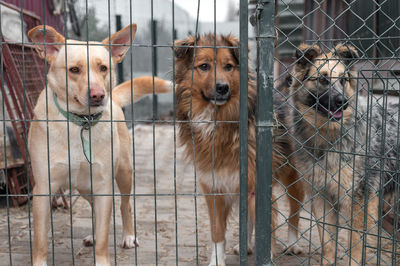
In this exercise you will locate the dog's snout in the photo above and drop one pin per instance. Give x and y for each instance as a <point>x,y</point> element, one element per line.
<point>96,96</point>
<point>221,88</point>
<point>340,101</point>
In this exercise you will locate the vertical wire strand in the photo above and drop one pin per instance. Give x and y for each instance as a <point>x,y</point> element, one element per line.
<point>214,192</point>
<point>24,88</point>
<point>354,165</point>
<point>312,183</point>
<point>195,194</point>
<point>174,125</point>
<point>381,172</point>
<point>48,138</point>
<point>133,135</point>
<point>315,157</point>
<point>326,209</point>
<point>25,128</point>
<point>3,94</point>
<point>395,206</point>
<point>339,173</point>
<point>112,135</point>
<point>90,136</point>
<point>366,167</point>
<point>68,140</point>
<point>154,59</point>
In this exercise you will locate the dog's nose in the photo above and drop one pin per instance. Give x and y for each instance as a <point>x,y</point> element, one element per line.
<point>221,88</point>
<point>96,95</point>
<point>340,101</point>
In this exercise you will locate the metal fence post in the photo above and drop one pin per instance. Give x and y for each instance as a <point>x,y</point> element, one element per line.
<point>264,126</point>
<point>243,130</point>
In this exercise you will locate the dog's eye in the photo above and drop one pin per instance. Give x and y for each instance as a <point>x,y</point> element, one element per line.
<point>323,80</point>
<point>103,68</point>
<point>343,81</point>
<point>205,67</point>
<point>228,67</point>
<point>74,70</point>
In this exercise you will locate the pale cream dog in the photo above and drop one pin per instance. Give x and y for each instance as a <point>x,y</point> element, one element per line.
<point>81,154</point>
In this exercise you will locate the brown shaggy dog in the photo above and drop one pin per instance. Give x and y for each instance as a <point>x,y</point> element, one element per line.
<point>208,100</point>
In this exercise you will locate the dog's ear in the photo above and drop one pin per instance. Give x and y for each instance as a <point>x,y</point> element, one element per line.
<point>305,54</point>
<point>182,47</point>
<point>120,42</point>
<point>234,42</point>
<point>346,53</point>
<point>46,38</point>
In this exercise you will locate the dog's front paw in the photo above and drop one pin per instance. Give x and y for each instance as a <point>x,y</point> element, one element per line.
<point>42,263</point>
<point>220,263</point>
<point>295,250</point>
<point>88,241</point>
<point>129,241</point>
<point>218,254</point>
<point>236,249</point>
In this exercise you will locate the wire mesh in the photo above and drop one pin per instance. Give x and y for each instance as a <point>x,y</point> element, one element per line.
<point>346,188</point>
<point>307,143</point>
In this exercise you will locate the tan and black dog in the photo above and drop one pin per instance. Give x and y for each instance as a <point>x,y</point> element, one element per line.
<point>211,98</point>
<point>67,155</point>
<point>344,153</point>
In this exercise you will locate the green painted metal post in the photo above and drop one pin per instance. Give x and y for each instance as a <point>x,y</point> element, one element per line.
<point>120,67</point>
<point>155,64</point>
<point>243,215</point>
<point>264,127</point>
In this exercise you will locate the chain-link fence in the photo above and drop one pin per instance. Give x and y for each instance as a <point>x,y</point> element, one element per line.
<point>301,131</point>
<point>341,87</point>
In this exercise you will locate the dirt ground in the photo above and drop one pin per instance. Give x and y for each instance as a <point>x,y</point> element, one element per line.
<point>180,233</point>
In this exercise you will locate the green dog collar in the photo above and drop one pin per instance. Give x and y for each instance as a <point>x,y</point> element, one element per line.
<point>85,122</point>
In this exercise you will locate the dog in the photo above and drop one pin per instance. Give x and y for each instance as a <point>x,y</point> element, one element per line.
<point>335,131</point>
<point>210,99</point>
<point>60,152</point>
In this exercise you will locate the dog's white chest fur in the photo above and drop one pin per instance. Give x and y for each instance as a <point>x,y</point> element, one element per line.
<point>223,180</point>
<point>203,122</point>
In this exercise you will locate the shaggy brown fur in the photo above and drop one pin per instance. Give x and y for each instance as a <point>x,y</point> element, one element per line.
<point>217,148</point>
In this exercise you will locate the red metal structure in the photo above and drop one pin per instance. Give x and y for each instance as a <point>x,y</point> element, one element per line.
<point>34,11</point>
<point>24,78</point>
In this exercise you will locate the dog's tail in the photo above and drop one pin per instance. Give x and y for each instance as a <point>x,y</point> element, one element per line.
<point>140,87</point>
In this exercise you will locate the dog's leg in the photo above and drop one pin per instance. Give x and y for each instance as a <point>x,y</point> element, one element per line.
<point>102,212</point>
<point>357,235</point>
<point>218,211</point>
<point>296,198</point>
<point>124,182</point>
<point>274,216</point>
<point>89,239</point>
<point>325,213</point>
<point>102,206</point>
<point>251,222</point>
<point>41,213</point>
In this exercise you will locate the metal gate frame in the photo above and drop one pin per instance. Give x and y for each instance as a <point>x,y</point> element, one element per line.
<point>264,17</point>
